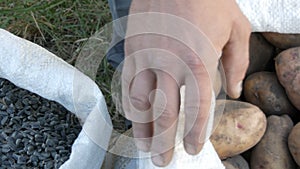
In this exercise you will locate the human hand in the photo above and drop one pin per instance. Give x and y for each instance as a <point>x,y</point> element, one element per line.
<point>168,48</point>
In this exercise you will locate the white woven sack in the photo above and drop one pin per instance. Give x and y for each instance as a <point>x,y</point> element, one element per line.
<point>32,67</point>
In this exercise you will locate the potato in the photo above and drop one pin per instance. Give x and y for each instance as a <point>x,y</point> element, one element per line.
<point>287,65</point>
<point>294,143</point>
<point>264,90</point>
<point>240,128</point>
<point>236,162</point>
<point>283,41</point>
<point>272,151</point>
<point>261,52</point>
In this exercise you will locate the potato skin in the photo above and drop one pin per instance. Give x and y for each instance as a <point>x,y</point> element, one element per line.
<point>264,90</point>
<point>294,143</point>
<point>236,162</point>
<point>261,52</point>
<point>287,65</point>
<point>282,41</point>
<point>272,151</point>
<point>240,128</point>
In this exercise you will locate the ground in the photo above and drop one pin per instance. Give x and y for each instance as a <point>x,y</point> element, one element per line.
<point>62,27</point>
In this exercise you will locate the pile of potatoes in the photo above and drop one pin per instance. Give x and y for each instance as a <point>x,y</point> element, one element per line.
<point>261,130</point>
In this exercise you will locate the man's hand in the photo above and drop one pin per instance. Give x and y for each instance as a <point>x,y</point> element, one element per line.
<point>181,45</point>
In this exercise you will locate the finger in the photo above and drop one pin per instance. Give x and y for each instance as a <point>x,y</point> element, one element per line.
<point>165,110</point>
<point>198,96</point>
<point>127,76</point>
<point>141,114</point>
<point>235,60</point>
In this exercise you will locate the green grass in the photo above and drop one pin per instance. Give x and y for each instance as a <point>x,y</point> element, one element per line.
<point>62,27</point>
<point>58,25</point>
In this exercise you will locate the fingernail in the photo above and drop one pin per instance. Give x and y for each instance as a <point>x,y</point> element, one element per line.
<point>158,160</point>
<point>238,90</point>
<point>190,149</point>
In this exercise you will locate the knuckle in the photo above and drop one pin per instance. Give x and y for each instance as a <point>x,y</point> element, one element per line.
<point>162,63</point>
<point>193,61</point>
<point>140,103</point>
<point>166,119</point>
<point>195,65</point>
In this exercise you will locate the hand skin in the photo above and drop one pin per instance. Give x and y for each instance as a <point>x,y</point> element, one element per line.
<point>227,29</point>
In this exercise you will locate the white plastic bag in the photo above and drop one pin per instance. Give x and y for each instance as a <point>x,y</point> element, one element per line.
<point>281,16</point>
<point>32,67</point>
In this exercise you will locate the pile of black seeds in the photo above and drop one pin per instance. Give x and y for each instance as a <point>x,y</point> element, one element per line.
<point>34,132</point>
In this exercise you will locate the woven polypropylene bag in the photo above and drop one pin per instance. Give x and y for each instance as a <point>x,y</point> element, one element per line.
<point>281,16</point>
<point>32,67</point>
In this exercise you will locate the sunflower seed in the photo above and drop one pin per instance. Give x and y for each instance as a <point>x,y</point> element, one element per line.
<point>7,100</point>
<point>34,131</point>
<point>5,148</point>
<point>49,149</point>
<point>38,138</point>
<point>21,160</point>
<point>4,120</point>
<point>49,165</point>
<point>35,125</point>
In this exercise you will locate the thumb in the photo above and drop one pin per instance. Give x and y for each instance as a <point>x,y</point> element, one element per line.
<point>235,60</point>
